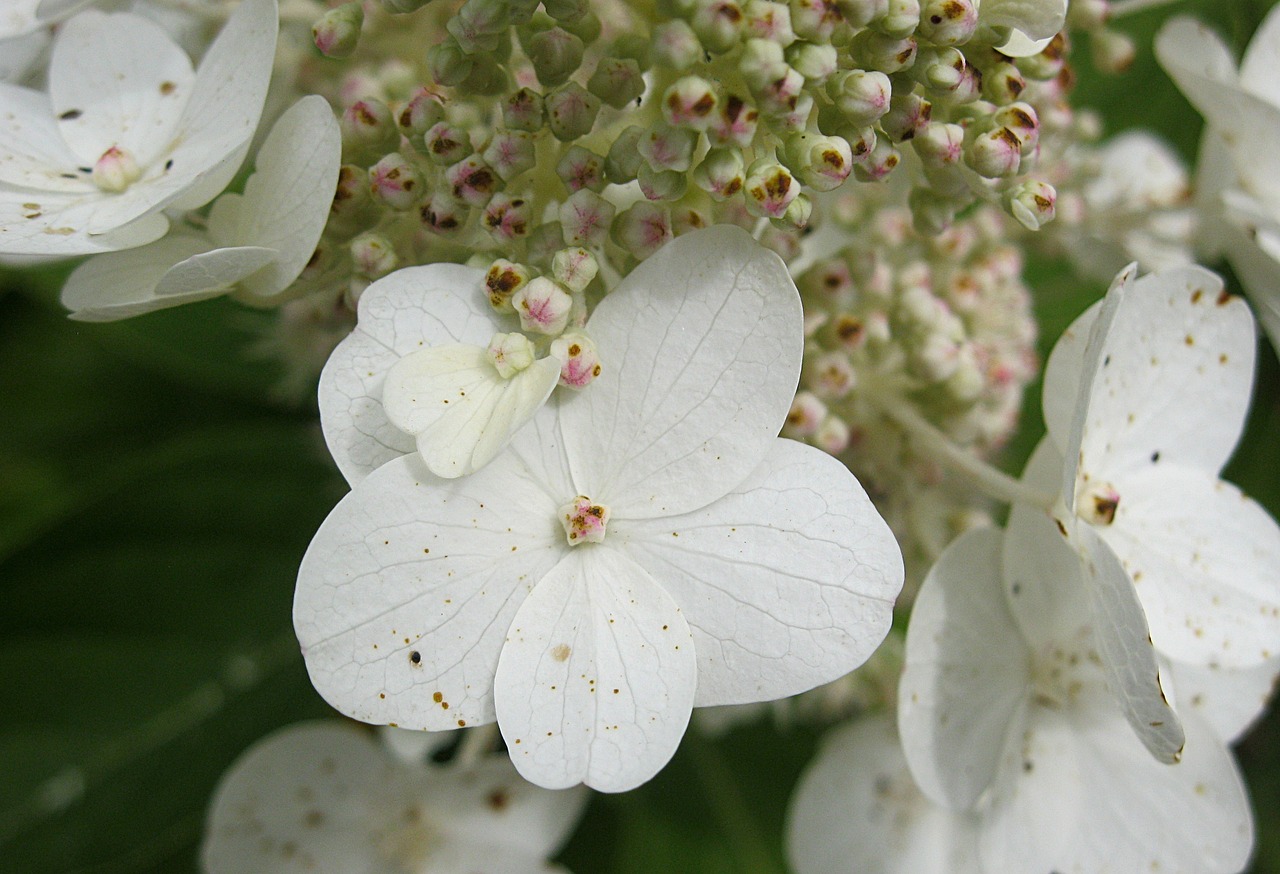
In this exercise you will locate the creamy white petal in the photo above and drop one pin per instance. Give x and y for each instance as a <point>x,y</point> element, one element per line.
<point>701,348</point>
<point>1206,562</point>
<point>1037,19</point>
<point>857,811</point>
<point>218,270</point>
<point>406,592</point>
<point>596,681</point>
<point>1229,700</point>
<point>967,676</point>
<point>32,152</point>
<point>1256,260</point>
<point>461,411</point>
<point>118,80</point>
<point>117,285</point>
<point>1260,66</point>
<point>787,582</point>
<point>40,223</point>
<point>399,314</point>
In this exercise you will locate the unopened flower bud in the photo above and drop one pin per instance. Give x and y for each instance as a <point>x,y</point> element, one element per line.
<point>448,63</point>
<point>1003,83</point>
<point>900,19</point>
<point>616,81</point>
<point>479,24</point>
<point>994,154</point>
<point>796,217</point>
<point>116,170</point>
<point>446,143</point>
<point>876,51</point>
<point>861,96</point>
<point>814,20</point>
<point>936,358</point>
<point>624,159</point>
<point>832,436</point>
<point>1032,203</point>
<point>940,144</point>
<point>667,148</point>
<point>580,360</point>
<point>471,181</point>
<point>510,353</point>
<point>580,168</point>
<point>675,45</point>
<point>503,279</point>
<point>418,116</point>
<point>965,384</point>
<point>783,94</point>
<point>734,124</point>
<point>401,7</point>
<point>769,188</point>
<point>523,111</point>
<point>373,255</point>
<point>574,268</point>
<point>908,114</point>
<point>879,163</point>
<point>1113,51</point>
<point>806,414</point>
<point>543,306</point>
<point>642,229</point>
<point>829,375</point>
<point>395,182</point>
<point>768,20</point>
<point>1020,118</point>
<point>721,173</point>
<point>368,130</point>
<point>1048,63</point>
<point>571,111</point>
<point>352,207</point>
<point>717,23</point>
<point>585,218</point>
<point>555,54</point>
<point>510,153</point>
<point>860,13</point>
<point>948,22</point>
<point>821,162</point>
<point>661,184</point>
<point>566,10</point>
<point>816,63</point>
<point>689,102</point>
<point>506,217</point>
<point>931,212</point>
<point>762,63</point>
<point>337,31</point>
<point>443,215</point>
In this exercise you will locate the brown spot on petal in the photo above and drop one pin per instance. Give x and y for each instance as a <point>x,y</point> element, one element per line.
<point>167,88</point>
<point>560,652</point>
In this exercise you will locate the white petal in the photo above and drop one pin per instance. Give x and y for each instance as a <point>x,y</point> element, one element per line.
<point>414,747</point>
<point>1019,45</point>
<point>967,676</point>
<point>19,55</point>
<point>56,224</point>
<point>118,285</point>
<point>32,153</point>
<point>118,80</point>
<point>462,412</point>
<point>297,801</point>
<point>18,17</point>
<point>856,809</point>
<point>399,314</point>
<point>1260,67</point>
<point>1229,700</point>
<point>596,680</point>
<point>787,582</point>
<point>1062,373</point>
<point>217,270</point>
<point>1037,19</point>
<point>1173,379</point>
<point>408,563</point>
<point>286,201</point>
<point>701,349</point>
<point>1204,558</point>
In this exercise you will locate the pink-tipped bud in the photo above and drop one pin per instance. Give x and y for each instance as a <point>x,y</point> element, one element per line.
<point>770,188</point>
<point>502,280</point>
<point>580,360</point>
<point>395,182</point>
<point>806,414</point>
<point>116,170</point>
<point>373,255</point>
<point>543,306</point>
<point>574,268</point>
<point>471,181</point>
<point>995,154</point>
<point>643,229</point>
<point>506,218</point>
<point>337,32</point>
<point>585,218</point>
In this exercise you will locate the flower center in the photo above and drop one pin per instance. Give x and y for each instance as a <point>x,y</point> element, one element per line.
<point>116,170</point>
<point>1098,504</point>
<point>584,521</point>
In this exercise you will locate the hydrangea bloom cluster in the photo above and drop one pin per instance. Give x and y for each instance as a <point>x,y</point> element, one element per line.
<point>660,346</point>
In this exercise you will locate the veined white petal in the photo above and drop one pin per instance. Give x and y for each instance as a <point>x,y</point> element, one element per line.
<point>406,592</point>
<point>32,152</point>
<point>1204,558</point>
<point>40,223</point>
<point>401,313</point>
<point>967,677</point>
<point>856,809</point>
<point>701,346</point>
<point>117,285</point>
<point>118,80</point>
<point>787,582</point>
<point>459,408</point>
<point>1229,700</point>
<point>596,680</point>
<point>217,270</point>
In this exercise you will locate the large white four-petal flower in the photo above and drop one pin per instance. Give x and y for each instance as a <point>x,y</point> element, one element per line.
<point>642,546</point>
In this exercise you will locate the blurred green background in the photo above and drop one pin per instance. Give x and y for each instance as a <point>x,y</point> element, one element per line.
<point>156,496</point>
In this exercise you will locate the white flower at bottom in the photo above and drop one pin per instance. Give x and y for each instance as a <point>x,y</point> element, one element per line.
<point>325,797</point>
<point>734,566</point>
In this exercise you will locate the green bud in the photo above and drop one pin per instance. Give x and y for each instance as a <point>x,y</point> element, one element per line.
<point>876,51</point>
<point>931,213</point>
<point>581,168</point>
<point>352,206</point>
<point>762,63</point>
<point>1003,83</point>
<point>510,153</point>
<point>418,116</point>
<point>798,213</point>
<point>624,159</point>
<point>571,111</point>
<point>948,22</point>
<point>721,173</point>
<point>675,45</point>
<point>900,19</point>
<point>478,24</point>
<point>668,148</point>
<point>586,27</point>
<point>448,63</point>
<point>523,111</point>
<point>717,23</point>
<point>337,32</point>
<point>566,10</point>
<point>616,81</point>
<point>400,7</point>
<point>555,54</point>
<point>487,77</point>
<point>861,96</point>
<point>642,229</point>
<point>521,11</point>
<point>368,130</point>
<point>1048,63</point>
<point>817,63</point>
<point>1033,203</point>
<point>661,184</point>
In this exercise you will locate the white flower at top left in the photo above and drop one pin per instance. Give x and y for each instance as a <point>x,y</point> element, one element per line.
<point>127,130</point>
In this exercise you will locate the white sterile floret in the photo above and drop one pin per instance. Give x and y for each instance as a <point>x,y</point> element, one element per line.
<point>1145,398</point>
<point>256,243</point>
<point>856,810</point>
<point>327,798</point>
<point>1239,175</point>
<point>1038,748</point>
<point>723,564</point>
<point>127,130</point>
<point>1031,23</point>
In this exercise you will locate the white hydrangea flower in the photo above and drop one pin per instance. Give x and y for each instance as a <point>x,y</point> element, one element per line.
<point>1005,710</point>
<point>1032,23</point>
<point>643,547</point>
<point>127,130</point>
<point>856,810</point>
<point>257,242</point>
<point>326,797</point>
<point>1239,164</point>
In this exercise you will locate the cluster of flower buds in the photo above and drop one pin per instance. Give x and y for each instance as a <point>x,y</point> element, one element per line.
<point>940,325</point>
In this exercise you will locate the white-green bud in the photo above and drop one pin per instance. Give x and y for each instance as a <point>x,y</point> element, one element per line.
<point>797,216</point>
<point>448,63</point>
<point>899,20</point>
<point>479,24</point>
<point>337,32</point>
<point>1033,203</point>
<point>762,63</point>
<point>510,153</point>
<point>395,182</point>
<point>642,229</point>
<point>994,154</point>
<point>662,184</point>
<point>816,63</point>
<point>555,54</point>
<point>675,45</point>
<point>873,50</point>
<point>931,213</point>
<point>769,188</point>
<point>908,115</point>
<point>373,255</point>
<point>506,217</point>
<point>523,111</point>
<point>735,123</point>
<point>585,218</point>
<point>862,96</point>
<point>948,22</point>
<point>352,207</point>
<point>880,161</point>
<point>821,162</point>
<point>616,81</point>
<point>586,27</point>
<point>446,143</point>
<point>833,435</point>
<point>1113,51</point>
<point>510,353</point>
<point>814,20</point>
<point>721,173</point>
<point>116,170</point>
<point>717,23</point>
<point>940,144</point>
<point>624,160</point>
<point>770,20</point>
<point>860,13</point>
<point>471,181</point>
<point>1046,64</point>
<point>806,414</point>
<point>574,268</point>
<point>580,360</point>
<point>571,111</point>
<point>543,307</point>
<point>400,7</point>
<point>1021,118</point>
<point>581,168</point>
<point>368,130</point>
<point>420,113</point>
<point>689,102</point>
<point>667,148</point>
<point>1003,83</point>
